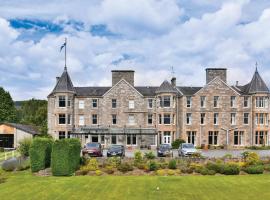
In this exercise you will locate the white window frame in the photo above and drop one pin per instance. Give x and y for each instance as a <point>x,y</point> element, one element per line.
<point>131,104</point>
<point>81,120</point>
<point>188,101</point>
<point>216,120</point>
<point>81,104</point>
<point>131,140</point>
<point>244,117</point>
<point>131,119</point>
<point>233,101</point>
<point>148,103</point>
<point>233,118</point>
<point>189,118</point>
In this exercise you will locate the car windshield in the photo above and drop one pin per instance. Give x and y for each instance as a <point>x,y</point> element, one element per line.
<point>165,146</point>
<point>92,145</point>
<point>115,147</point>
<point>188,146</point>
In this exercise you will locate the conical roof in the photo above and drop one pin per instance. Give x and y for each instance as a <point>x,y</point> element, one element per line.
<point>257,85</point>
<point>64,84</point>
<point>166,87</point>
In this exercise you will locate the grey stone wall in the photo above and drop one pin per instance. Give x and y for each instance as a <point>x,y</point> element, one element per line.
<point>117,75</point>
<point>212,73</point>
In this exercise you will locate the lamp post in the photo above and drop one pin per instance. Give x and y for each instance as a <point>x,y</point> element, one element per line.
<point>227,134</point>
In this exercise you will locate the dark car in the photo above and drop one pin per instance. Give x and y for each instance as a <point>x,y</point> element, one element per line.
<point>116,150</point>
<point>92,149</point>
<point>164,150</point>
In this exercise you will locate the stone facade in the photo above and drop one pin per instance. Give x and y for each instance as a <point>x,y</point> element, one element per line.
<point>216,114</point>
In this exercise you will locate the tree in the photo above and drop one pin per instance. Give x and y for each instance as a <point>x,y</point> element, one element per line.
<point>7,108</point>
<point>34,112</point>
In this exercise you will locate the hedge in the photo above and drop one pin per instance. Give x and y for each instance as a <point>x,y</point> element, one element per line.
<point>65,157</point>
<point>40,153</point>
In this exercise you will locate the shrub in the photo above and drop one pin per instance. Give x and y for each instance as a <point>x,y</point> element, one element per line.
<point>254,169</point>
<point>98,172</point>
<point>176,143</point>
<point>228,156</point>
<point>231,169</point>
<point>138,158</point>
<point>65,156</point>
<point>2,149</point>
<point>171,172</point>
<point>149,155</point>
<point>172,164</point>
<point>162,165</point>
<point>24,146</point>
<point>114,161</point>
<point>196,155</point>
<point>109,169</point>
<point>10,164</point>
<point>125,167</point>
<point>40,153</point>
<point>267,167</point>
<point>91,165</point>
<point>161,172</point>
<point>215,166</point>
<point>205,171</point>
<point>196,167</point>
<point>152,166</point>
<point>252,158</point>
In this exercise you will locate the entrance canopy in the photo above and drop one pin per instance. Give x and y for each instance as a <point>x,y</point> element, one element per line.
<point>88,130</point>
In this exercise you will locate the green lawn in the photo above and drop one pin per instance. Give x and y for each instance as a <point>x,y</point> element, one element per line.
<point>23,185</point>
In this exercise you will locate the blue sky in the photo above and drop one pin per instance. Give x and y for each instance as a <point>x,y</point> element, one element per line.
<point>148,36</point>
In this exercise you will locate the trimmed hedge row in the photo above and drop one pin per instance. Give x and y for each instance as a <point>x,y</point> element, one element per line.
<point>65,158</point>
<point>40,153</point>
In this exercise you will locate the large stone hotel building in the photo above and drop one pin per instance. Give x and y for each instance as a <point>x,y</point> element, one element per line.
<point>144,116</point>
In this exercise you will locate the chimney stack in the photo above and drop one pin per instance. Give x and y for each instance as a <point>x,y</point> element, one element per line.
<point>128,75</point>
<point>173,81</point>
<point>237,82</point>
<point>212,73</point>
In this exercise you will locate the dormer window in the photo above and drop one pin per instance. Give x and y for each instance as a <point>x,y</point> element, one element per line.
<point>62,101</point>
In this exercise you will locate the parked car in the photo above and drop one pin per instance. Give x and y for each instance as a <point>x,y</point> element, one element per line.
<point>186,149</point>
<point>116,150</point>
<point>164,150</point>
<point>92,149</point>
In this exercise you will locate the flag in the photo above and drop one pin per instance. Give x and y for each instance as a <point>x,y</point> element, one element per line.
<point>63,45</point>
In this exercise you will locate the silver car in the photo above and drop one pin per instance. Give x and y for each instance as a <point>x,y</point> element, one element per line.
<point>186,149</point>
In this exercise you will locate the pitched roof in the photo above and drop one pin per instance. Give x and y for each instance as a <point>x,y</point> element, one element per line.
<point>64,84</point>
<point>147,90</point>
<point>166,87</point>
<point>26,128</point>
<point>256,85</point>
<point>188,90</point>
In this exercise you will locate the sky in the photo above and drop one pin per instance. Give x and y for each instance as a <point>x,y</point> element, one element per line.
<point>148,36</point>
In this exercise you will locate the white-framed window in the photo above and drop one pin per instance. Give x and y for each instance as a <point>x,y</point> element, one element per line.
<point>261,137</point>
<point>216,101</point>
<point>114,119</point>
<point>94,103</point>
<point>246,102</point>
<point>131,104</point>
<point>246,118</point>
<point>62,119</point>
<point>191,136</point>
<point>114,103</point>
<point>238,138</point>
<point>62,101</point>
<point>132,140</point>
<point>261,119</point>
<point>189,101</point>
<point>213,137</point>
<point>215,118</point>
<point>150,103</point>
<point>81,120</point>
<point>150,119</point>
<point>233,101</point>
<point>202,98</point>
<point>131,119</point>
<point>69,101</point>
<point>233,118</point>
<point>81,104</point>
<point>94,119</point>
<point>188,118</point>
<point>202,118</point>
<point>167,137</point>
<point>166,119</point>
<point>167,101</point>
<point>261,102</point>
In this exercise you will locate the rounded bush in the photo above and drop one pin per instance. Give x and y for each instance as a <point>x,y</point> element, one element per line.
<point>172,164</point>
<point>254,169</point>
<point>125,167</point>
<point>152,166</point>
<point>176,143</point>
<point>231,169</point>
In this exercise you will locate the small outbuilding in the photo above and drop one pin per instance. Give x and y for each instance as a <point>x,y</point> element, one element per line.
<point>11,134</point>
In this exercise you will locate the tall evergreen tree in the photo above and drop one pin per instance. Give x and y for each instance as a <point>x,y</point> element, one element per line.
<point>7,108</point>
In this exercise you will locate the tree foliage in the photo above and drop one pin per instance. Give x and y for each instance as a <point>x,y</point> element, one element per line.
<point>7,108</point>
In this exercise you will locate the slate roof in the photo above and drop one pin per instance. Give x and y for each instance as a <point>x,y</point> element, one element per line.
<point>188,90</point>
<point>256,85</point>
<point>91,91</point>
<point>166,87</point>
<point>26,128</point>
<point>64,84</point>
<point>147,90</point>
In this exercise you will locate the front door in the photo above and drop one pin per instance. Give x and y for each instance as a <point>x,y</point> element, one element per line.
<point>167,137</point>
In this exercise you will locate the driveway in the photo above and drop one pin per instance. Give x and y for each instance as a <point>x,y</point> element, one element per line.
<point>206,153</point>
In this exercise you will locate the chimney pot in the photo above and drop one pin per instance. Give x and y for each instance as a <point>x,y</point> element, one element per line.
<point>173,81</point>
